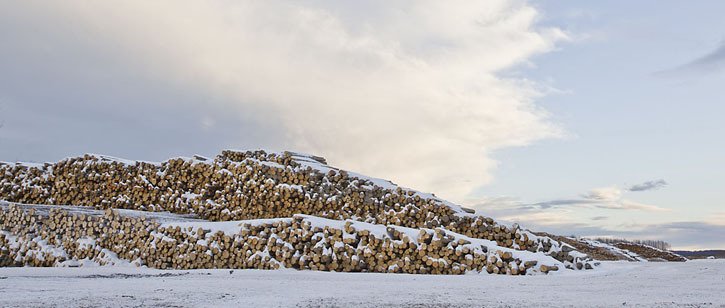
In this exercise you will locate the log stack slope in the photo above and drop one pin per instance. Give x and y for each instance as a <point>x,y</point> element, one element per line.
<point>292,190</point>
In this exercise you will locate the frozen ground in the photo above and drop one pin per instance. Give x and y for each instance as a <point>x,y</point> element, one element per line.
<point>690,284</point>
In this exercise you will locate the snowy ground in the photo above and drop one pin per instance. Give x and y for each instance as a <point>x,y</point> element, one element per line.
<point>690,284</point>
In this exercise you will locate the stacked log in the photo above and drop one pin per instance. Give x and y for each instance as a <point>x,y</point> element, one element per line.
<point>300,242</point>
<point>6,258</point>
<point>251,185</point>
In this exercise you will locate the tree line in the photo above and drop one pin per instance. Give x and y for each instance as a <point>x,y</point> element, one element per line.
<point>661,245</point>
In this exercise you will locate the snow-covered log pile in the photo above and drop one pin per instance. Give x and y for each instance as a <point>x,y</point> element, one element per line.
<point>251,185</point>
<point>649,253</point>
<point>617,251</point>
<point>57,235</point>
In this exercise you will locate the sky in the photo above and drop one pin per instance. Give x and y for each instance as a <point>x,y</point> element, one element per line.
<point>577,118</point>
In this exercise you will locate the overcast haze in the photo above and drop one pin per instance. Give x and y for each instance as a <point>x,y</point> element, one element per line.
<point>572,118</point>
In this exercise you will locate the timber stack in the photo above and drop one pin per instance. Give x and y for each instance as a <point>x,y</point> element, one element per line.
<point>295,191</point>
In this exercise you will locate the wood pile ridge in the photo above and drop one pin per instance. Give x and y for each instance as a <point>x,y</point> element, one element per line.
<point>241,188</point>
<point>650,253</point>
<point>618,251</point>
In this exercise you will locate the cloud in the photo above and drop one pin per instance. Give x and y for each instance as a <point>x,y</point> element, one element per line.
<point>510,210</point>
<point>560,203</point>
<point>603,198</point>
<point>624,204</point>
<point>603,194</point>
<point>611,198</point>
<point>606,198</point>
<point>717,218</point>
<point>564,221</point>
<point>616,204</point>
<point>649,185</point>
<point>681,235</point>
<point>711,62</point>
<point>406,90</point>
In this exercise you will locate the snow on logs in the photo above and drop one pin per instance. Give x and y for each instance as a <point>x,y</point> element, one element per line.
<point>254,185</point>
<point>300,242</point>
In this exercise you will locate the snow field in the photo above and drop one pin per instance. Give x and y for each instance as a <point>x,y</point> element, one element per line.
<point>698,283</point>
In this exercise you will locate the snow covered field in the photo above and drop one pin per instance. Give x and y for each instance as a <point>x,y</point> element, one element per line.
<point>628,284</point>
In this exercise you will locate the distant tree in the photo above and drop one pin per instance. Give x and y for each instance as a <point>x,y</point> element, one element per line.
<point>661,245</point>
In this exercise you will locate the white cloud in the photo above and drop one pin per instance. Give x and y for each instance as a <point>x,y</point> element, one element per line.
<point>604,194</point>
<point>625,204</point>
<point>611,198</point>
<point>207,122</point>
<point>406,90</point>
<point>510,210</point>
<point>560,210</point>
<point>717,218</point>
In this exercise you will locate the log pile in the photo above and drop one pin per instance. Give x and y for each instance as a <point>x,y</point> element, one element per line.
<point>300,242</point>
<point>254,185</point>
<point>617,251</point>
<point>650,253</point>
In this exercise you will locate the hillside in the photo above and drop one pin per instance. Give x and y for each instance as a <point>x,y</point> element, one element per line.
<point>252,210</point>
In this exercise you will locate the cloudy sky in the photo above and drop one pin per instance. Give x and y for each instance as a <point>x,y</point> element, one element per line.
<point>570,117</point>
